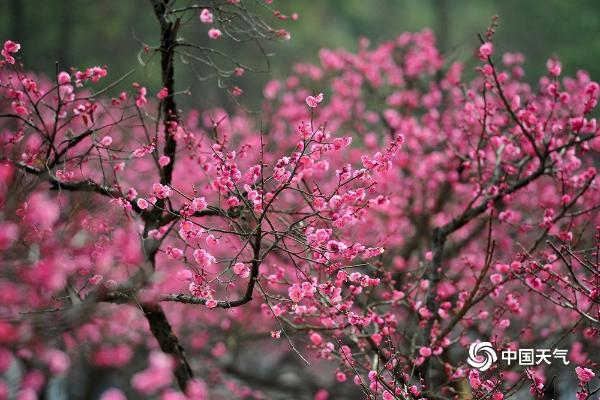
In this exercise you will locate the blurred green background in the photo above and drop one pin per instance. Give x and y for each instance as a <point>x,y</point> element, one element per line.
<point>83,33</point>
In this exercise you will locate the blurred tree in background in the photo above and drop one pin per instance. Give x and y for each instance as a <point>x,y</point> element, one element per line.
<point>111,31</point>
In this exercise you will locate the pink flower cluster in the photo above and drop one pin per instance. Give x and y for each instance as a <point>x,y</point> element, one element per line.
<point>8,50</point>
<point>382,230</point>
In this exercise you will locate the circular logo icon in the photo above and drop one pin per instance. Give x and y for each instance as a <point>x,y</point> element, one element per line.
<point>481,355</point>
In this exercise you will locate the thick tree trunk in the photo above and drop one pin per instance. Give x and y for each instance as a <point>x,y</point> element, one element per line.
<point>159,324</point>
<point>168,342</point>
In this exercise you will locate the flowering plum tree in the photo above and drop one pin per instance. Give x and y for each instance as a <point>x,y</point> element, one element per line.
<point>373,231</point>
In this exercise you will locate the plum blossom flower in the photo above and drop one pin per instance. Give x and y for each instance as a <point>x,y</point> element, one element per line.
<point>276,334</point>
<point>554,67</point>
<point>106,141</point>
<point>163,161</point>
<point>212,241</point>
<point>236,91</point>
<point>174,253</point>
<point>19,108</point>
<point>162,93</point>
<point>140,98</point>
<point>425,352</point>
<point>283,34</point>
<point>206,17</point>
<point>203,258</point>
<point>198,204</point>
<point>584,374</point>
<point>211,303</point>
<point>296,293</point>
<point>64,78</point>
<point>233,201</point>
<point>94,74</point>
<point>29,84</point>
<point>214,33</point>
<point>496,278</point>
<point>316,339</point>
<point>485,50</point>
<point>314,101</point>
<point>161,191</point>
<point>504,323</point>
<point>11,47</point>
<point>8,49</point>
<point>142,203</point>
<point>387,395</point>
<point>241,269</point>
<point>377,338</point>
